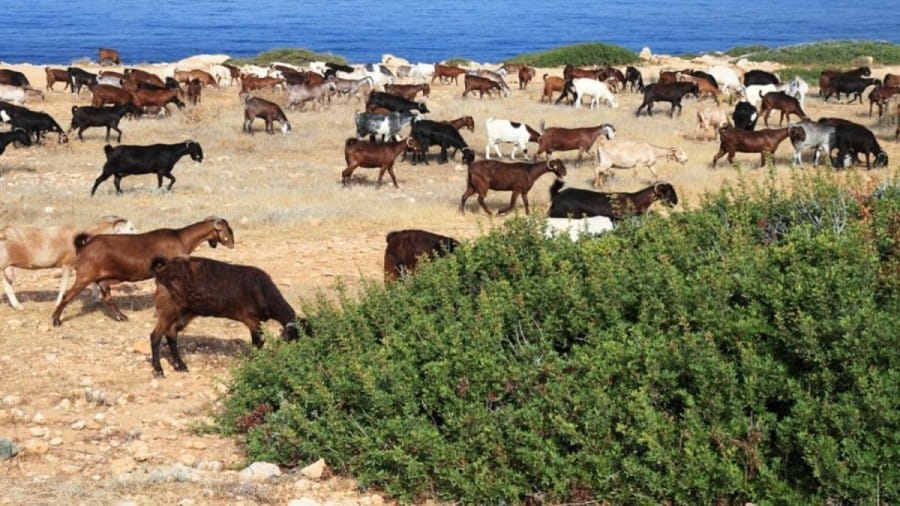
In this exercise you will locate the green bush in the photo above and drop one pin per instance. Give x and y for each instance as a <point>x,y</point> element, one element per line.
<point>458,60</point>
<point>741,351</point>
<point>588,53</point>
<point>293,56</point>
<point>832,53</point>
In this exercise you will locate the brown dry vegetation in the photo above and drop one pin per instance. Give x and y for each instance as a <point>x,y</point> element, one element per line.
<point>80,400</point>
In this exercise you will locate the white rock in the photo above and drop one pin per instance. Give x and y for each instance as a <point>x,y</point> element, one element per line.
<point>38,418</point>
<point>77,425</point>
<point>38,431</point>
<point>314,470</point>
<point>259,471</point>
<point>12,400</point>
<point>56,441</point>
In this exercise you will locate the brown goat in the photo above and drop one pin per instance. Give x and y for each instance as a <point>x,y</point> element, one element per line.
<point>188,287</point>
<point>447,73</point>
<point>270,112</point>
<point>194,90</point>
<point>704,86</point>
<point>142,76</point>
<point>462,122</point>
<point>104,94</point>
<point>516,177</point>
<point>880,95</point>
<point>105,259</point>
<point>250,83</point>
<point>156,98</point>
<point>408,91</point>
<point>526,74</point>
<point>763,141</point>
<point>380,155</point>
<point>552,84</point>
<point>56,75</point>
<point>205,78</point>
<point>783,102</point>
<point>565,139</point>
<point>480,84</point>
<point>405,247</point>
<point>109,56</point>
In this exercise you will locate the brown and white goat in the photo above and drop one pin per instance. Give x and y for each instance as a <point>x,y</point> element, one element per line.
<point>188,287</point>
<point>28,247</point>
<point>106,259</point>
<point>381,155</point>
<point>270,112</point>
<point>515,177</point>
<point>405,247</point>
<point>764,142</point>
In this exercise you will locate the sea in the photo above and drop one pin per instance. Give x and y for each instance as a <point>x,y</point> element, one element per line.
<point>65,31</point>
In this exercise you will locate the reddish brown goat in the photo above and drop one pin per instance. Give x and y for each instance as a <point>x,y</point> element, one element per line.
<point>107,94</point>
<point>379,155</point>
<point>408,91</point>
<point>480,84</point>
<point>156,98</point>
<point>571,72</point>
<point>463,122</point>
<point>142,76</point>
<point>205,78</point>
<point>194,89</point>
<point>764,142</point>
<point>56,75</point>
<point>105,259</point>
<point>891,80</point>
<point>250,83</point>
<point>552,84</point>
<point>108,56</point>
<point>880,95</point>
<point>447,73</point>
<point>405,247</point>
<point>526,74</point>
<point>783,102</point>
<point>565,139</point>
<point>515,177</point>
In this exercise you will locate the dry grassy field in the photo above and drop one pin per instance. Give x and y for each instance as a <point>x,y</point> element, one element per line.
<point>92,424</point>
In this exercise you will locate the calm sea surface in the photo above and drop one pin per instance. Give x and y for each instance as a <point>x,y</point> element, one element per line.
<point>60,31</point>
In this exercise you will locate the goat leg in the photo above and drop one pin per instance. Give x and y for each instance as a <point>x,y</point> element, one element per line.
<point>178,364</point>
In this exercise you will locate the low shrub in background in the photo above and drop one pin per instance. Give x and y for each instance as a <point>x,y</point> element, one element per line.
<point>588,53</point>
<point>294,56</point>
<point>741,351</point>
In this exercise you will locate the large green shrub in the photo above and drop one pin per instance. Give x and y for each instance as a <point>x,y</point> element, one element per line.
<point>294,56</point>
<point>742,351</point>
<point>823,53</point>
<point>588,53</point>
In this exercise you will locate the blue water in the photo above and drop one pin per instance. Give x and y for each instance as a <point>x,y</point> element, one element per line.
<point>61,31</point>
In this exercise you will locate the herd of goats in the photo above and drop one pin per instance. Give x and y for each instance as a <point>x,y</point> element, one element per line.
<point>188,287</point>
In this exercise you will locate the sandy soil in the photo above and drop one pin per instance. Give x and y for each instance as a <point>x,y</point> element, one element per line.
<point>93,425</point>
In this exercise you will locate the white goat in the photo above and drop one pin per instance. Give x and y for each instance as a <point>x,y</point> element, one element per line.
<point>755,92</point>
<point>595,89</point>
<point>797,88</point>
<point>711,117</point>
<point>501,130</point>
<point>592,225</point>
<point>46,247</point>
<point>816,136</point>
<point>633,154</point>
<point>18,94</point>
<point>727,78</point>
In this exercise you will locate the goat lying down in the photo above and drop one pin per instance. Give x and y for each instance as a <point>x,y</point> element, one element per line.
<point>188,287</point>
<point>47,247</point>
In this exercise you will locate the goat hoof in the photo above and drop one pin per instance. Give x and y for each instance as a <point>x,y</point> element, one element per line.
<point>157,373</point>
<point>121,318</point>
<point>57,323</point>
<point>181,367</point>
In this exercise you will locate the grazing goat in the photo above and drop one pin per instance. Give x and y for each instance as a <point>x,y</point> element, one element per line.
<point>35,123</point>
<point>387,125</point>
<point>706,84</point>
<point>784,103</point>
<point>579,203</point>
<point>124,161</point>
<point>48,247</point>
<point>143,98</point>
<point>764,142</point>
<point>85,117</point>
<point>811,135</point>
<point>711,117</point>
<point>108,94</point>
<point>17,94</point>
<point>429,133</point>
<point>408,91</point>
<point>565,139</point>
<point>598,91</point>
<point>754,77</point>
<point>188,287</point>
<point>393,103</point>
<point>405,247</point>
<point>517,177</point>
<point>104,259</point>
<point>726,78</point>
<point>633,154</point>
<point>851,140</point>
<point>18,135</point>
<point>480,84</point>
<point>671,92</point>
<point>270,112</point>
<point>501,130</point>
<point>308,92</point>
<point>381,155</point>
<point>109,56</point>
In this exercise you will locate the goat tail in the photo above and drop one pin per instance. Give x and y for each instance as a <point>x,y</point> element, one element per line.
<point>107,149</point>
<point>158,264</point>
<point>555,187</point>
<point>80,241</point>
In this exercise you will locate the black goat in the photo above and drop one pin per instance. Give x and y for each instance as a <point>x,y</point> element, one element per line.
<point>852,140</point>
<point>851,85</point>
<point>429,133</point>
<point>188,287</point>
<point>744,116</point>
<point>752,77</point>
<point>79,78</point>
<point>669,92</point>
<point>634,78</point>
<point>405,247</point>
<point>393,103</point>
<point>124,161</point>
<point>17,135</point>
<point>577,203</point>
<point>86,117</point>
<point>35,123</point>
